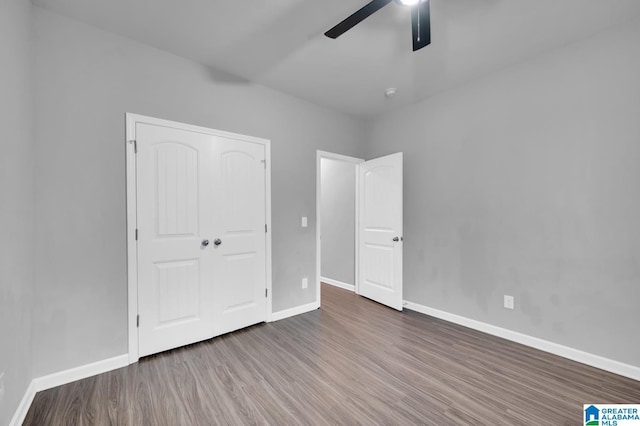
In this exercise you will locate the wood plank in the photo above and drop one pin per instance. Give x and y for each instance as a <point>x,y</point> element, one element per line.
<point>351,362</point>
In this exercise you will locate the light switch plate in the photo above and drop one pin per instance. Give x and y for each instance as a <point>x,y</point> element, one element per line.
<point>304,221</point>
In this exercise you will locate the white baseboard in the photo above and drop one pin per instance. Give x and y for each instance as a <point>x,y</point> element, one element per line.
<point>67,376</point>
<point>277,316</point>
<point>23,407</point>
<point>62,378</point>
<point>337,283</point>
<point>596,361</point>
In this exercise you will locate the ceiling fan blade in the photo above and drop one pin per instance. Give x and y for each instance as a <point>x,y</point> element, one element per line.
<point>420,25</point>
<point>359,16</point>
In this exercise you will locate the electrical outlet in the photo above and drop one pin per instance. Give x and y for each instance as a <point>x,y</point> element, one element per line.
<point>304,222</point>
<point>305,282</point>
<point>1,386</point>
<point>509,302</point>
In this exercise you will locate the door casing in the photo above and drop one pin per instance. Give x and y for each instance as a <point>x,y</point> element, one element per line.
<point>132,225</point>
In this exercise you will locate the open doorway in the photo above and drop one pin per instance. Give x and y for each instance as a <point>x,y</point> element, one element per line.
<point>359,228</point>
<point>336,210</point>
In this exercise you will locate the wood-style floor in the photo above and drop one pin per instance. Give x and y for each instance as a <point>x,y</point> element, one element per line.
<point>351,362</point>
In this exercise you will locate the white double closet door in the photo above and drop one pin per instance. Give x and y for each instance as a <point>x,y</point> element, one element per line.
<point>201,236</point>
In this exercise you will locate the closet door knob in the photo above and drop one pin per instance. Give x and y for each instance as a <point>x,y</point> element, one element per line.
<point>217,241</point>
<point>205,243</point>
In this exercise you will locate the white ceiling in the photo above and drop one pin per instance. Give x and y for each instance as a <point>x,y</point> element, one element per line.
<point>280,43</point>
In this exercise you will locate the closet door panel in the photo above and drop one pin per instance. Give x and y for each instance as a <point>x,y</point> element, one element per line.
<point>239,263</point>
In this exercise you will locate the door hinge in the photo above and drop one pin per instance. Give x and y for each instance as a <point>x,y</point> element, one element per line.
<point>135,146</point>
<point>138,321</point>
<point>266,292</point>
<point>264,162</point>
<point>136,234</point>
<point>265,228</point>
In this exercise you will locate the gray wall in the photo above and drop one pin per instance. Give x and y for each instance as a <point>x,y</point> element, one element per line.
<point>16,205</point>
<point>527,183</point>
<point>524,183</point>
<point>338,210</point>
<point>86,79</point>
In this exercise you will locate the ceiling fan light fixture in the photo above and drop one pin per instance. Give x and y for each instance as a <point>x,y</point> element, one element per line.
<point>420,20</point>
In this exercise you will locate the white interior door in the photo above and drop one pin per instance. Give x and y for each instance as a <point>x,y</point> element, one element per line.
<point>380,230</point>
<point>175,211</point>
<point>239,235</point>
<point>201,216</point>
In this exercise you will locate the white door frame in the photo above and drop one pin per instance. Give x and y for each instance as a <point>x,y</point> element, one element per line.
<point>132,225</point>
<point>353,160</point>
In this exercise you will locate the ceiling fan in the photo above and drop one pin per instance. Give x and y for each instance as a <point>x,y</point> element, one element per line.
<point>420,23</point>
